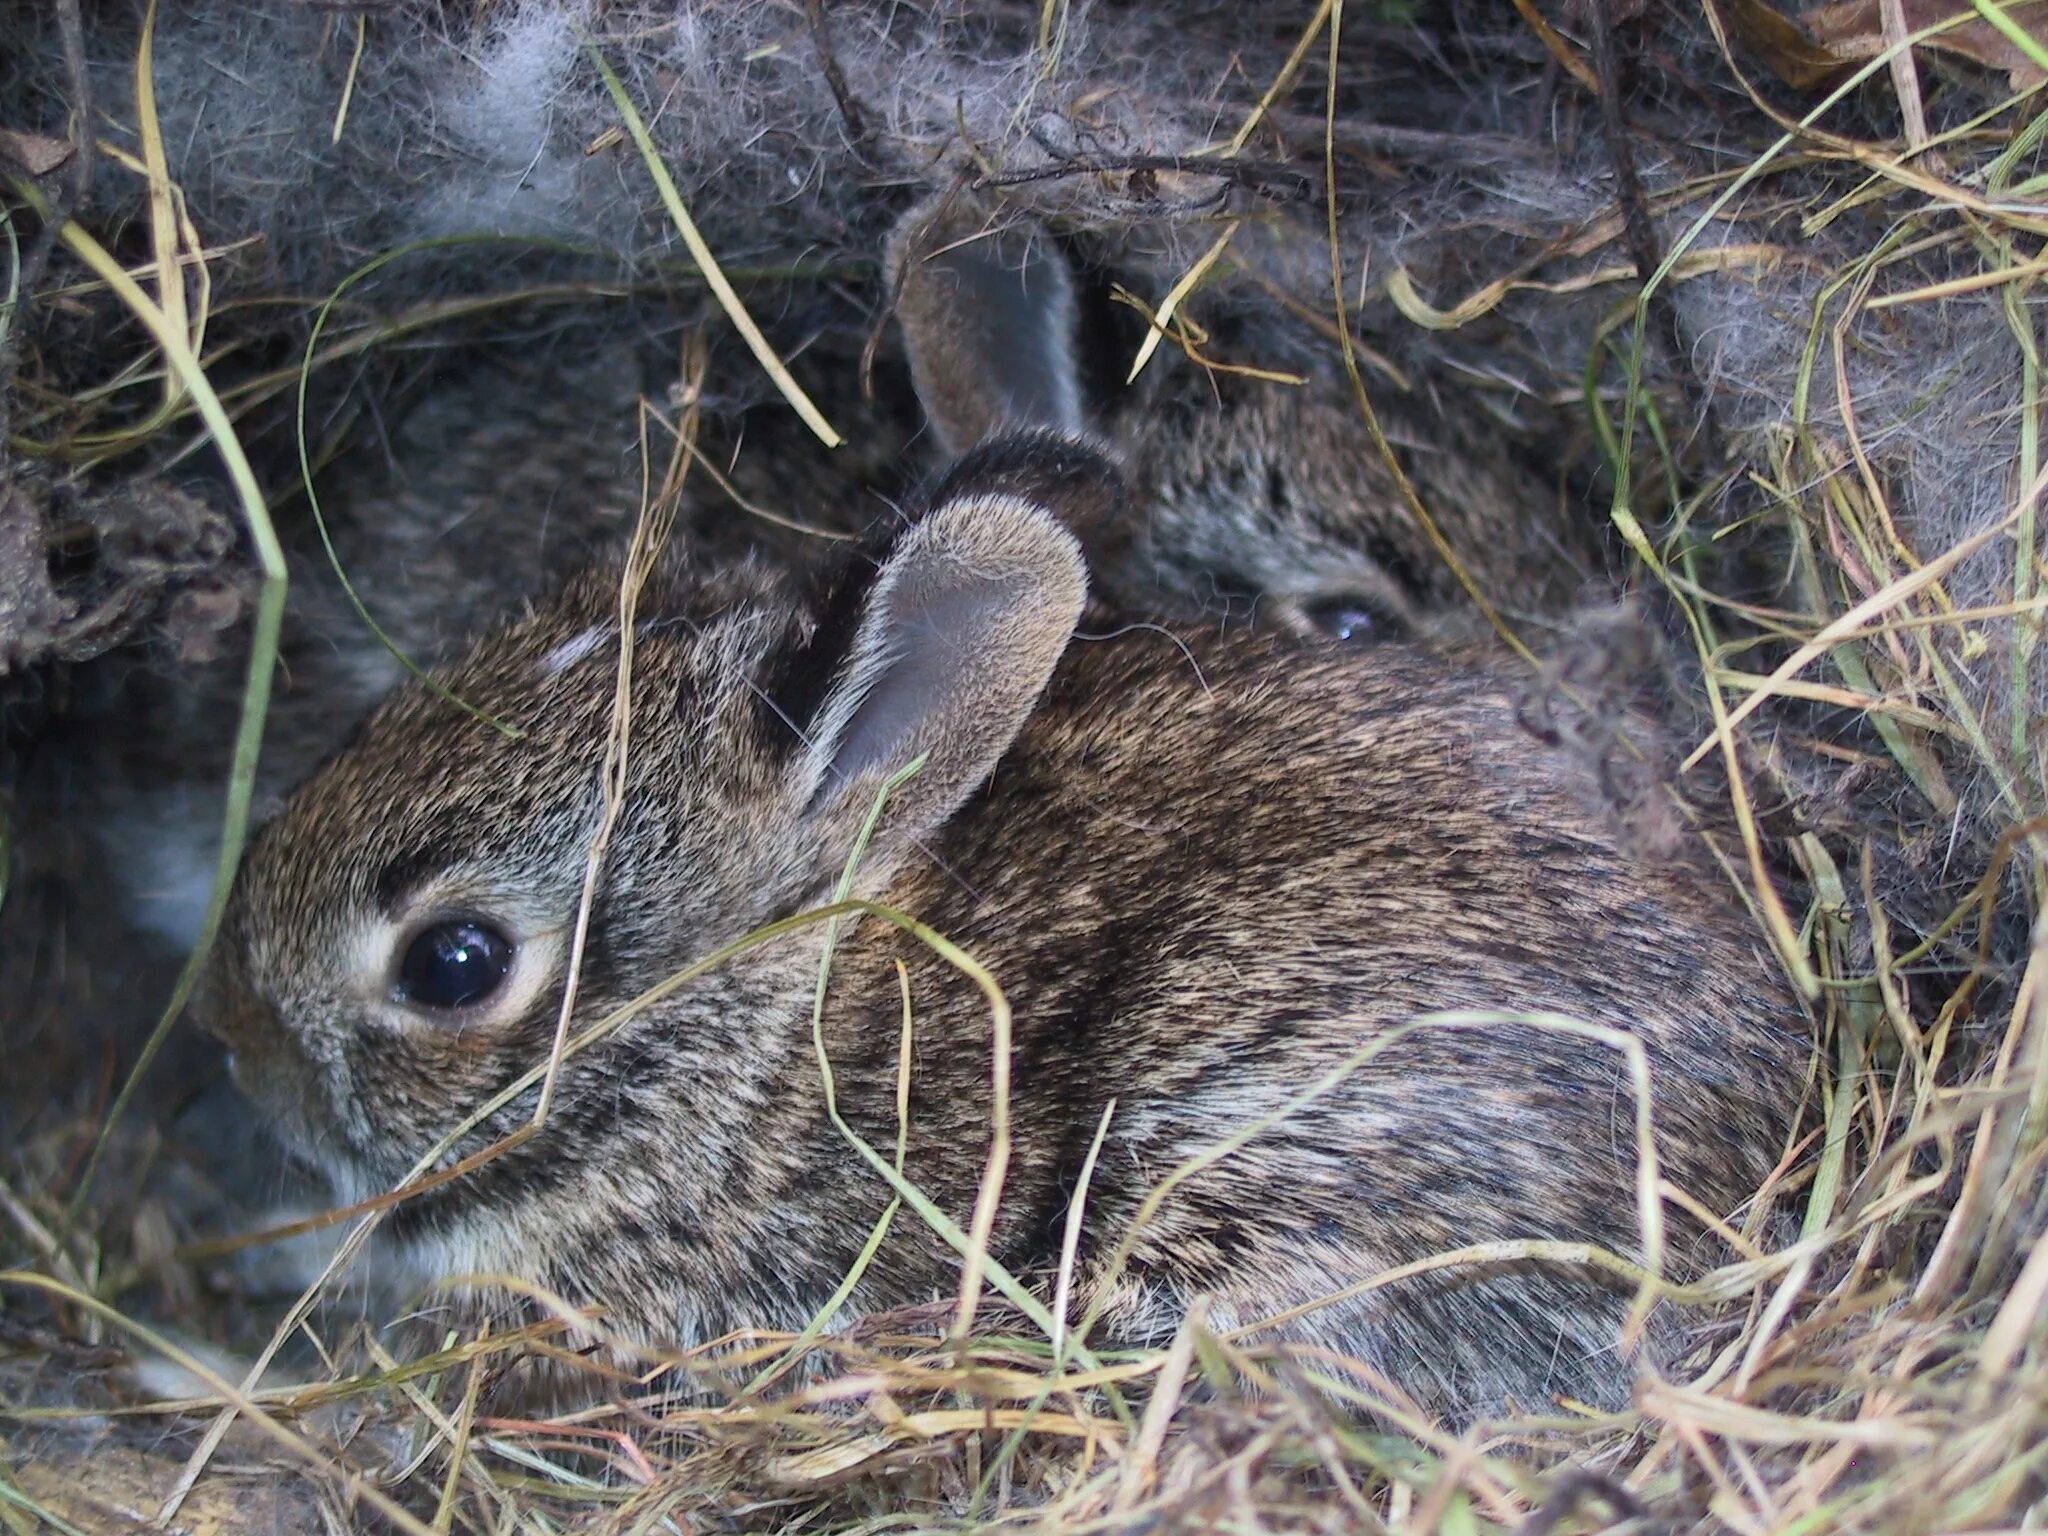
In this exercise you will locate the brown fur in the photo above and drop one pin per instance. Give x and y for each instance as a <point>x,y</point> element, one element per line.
<point>1254,501</point>
<point>1207,868</point>
<point>987,310</point>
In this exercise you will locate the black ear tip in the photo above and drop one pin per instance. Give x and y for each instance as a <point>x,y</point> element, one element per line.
<point>1075,480</point>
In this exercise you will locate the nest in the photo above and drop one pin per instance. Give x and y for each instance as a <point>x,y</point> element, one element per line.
<point>234,246</point>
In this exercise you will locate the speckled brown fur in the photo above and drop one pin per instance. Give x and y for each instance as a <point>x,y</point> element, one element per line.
<point>1209,867</point>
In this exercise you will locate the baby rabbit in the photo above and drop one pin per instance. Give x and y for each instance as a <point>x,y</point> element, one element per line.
<point>1206,866</point>
<point>1250,493</point>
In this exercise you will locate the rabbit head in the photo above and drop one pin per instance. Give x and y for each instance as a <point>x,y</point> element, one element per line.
<point>1252,498</point>
<point>396,947</point>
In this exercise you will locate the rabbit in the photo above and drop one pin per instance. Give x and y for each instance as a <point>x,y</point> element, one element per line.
<point>1251,495</point>
<point>1205,864</point>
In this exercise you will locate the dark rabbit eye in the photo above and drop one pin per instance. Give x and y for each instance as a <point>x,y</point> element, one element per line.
<point>1349,617</point>
<point>454,963</point>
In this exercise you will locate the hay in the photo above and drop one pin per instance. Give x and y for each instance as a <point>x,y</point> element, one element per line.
<point>1816,433</point>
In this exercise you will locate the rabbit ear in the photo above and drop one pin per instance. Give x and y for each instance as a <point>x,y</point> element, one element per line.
<point>948,648</point>
<point>988,321</point>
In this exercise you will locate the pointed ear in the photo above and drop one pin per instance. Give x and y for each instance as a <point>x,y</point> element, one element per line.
<point>987,311</point>
<point>951,643</point>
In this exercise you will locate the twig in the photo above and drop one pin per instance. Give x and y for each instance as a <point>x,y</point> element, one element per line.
<point>1266,176</point>
<point>1640,233</point>
<point>1431,145</point>
<point>835,78</point>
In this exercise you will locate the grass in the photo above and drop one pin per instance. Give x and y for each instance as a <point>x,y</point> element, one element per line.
<point>1886,1371</point>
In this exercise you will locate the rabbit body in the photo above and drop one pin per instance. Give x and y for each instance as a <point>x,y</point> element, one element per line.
<point>1205,867</point>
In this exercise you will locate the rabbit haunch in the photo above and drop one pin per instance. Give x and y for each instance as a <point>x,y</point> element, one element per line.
<point>1205,867</point>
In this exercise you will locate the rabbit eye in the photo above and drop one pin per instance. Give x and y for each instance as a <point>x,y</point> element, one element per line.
<point>454,963</point>
<point>1350,617</point>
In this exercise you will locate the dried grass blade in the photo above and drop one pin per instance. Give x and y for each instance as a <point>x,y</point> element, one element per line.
<point>1189,280</point>
<point>348,84</point>
<point>293,1445</point>
<point>163,218</point>
<point>714,275</point>
<point>1856,618</point>
<point>1349,349</point>
<point>179,358</point>
<point>658,508</point>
